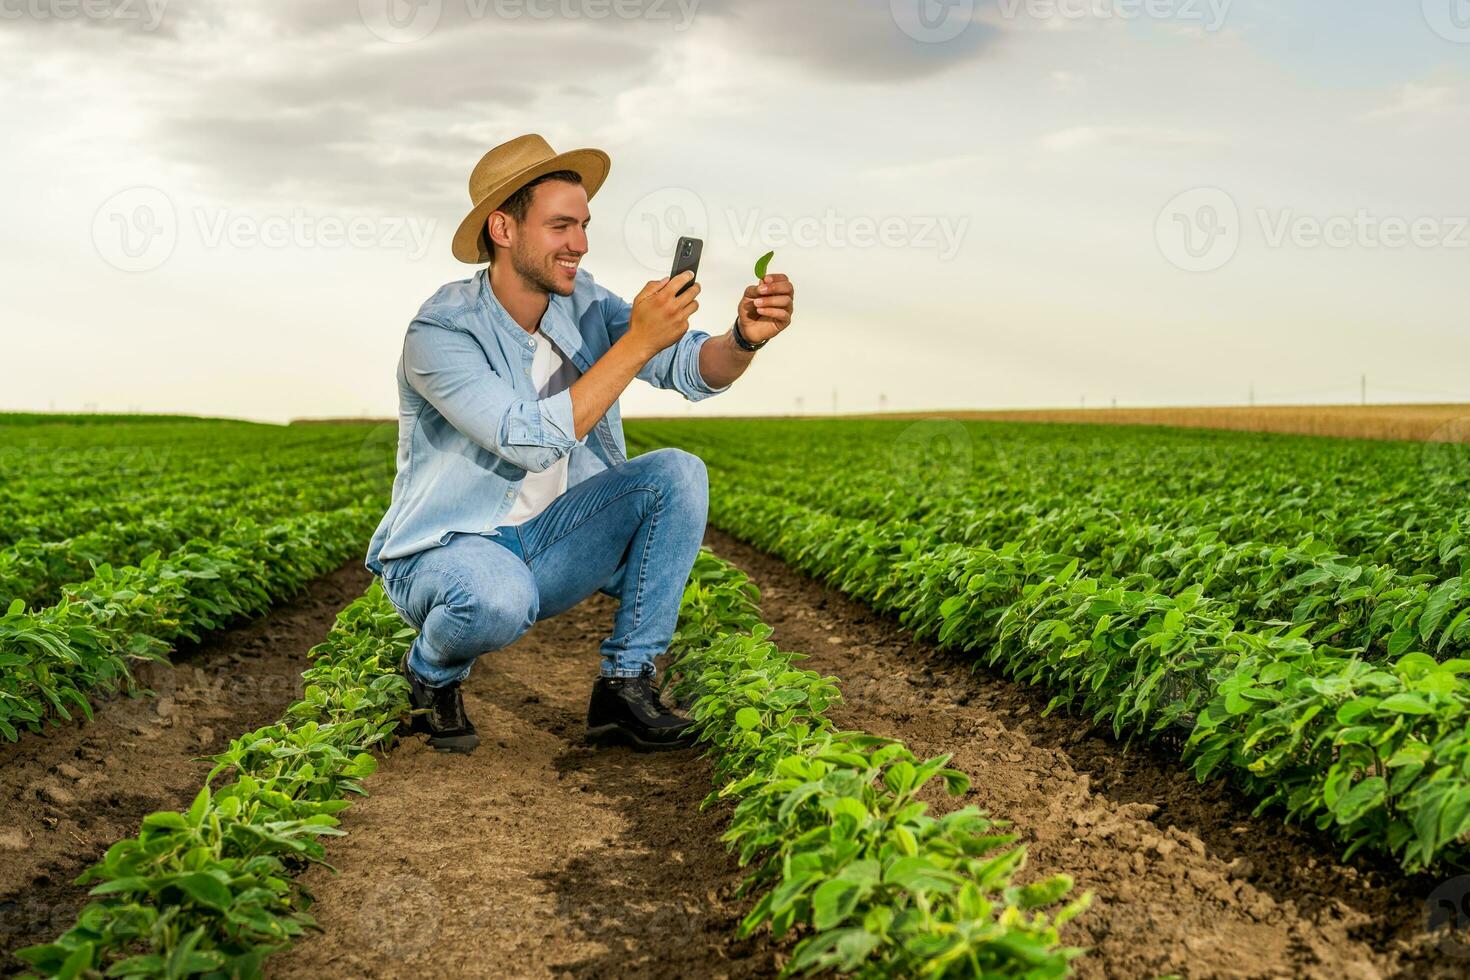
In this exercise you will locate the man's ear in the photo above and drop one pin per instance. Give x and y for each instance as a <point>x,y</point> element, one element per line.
<point>497,228</point>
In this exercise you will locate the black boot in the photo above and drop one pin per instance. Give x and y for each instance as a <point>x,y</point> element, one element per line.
<point>627,711</point>
<point>445,722</point>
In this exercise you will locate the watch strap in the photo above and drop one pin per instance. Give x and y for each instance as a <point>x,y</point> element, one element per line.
<point>744,344</point>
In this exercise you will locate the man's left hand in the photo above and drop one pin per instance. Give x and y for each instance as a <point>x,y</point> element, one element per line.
<point>765,309</point>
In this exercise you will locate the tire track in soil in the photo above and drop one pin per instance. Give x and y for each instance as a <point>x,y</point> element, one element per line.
<point>71,791</point>
<point>533,856</point>
<point>1185,879</point>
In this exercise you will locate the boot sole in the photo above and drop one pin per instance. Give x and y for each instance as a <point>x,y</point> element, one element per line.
<point>455,743</point>
<point>444,743</point>
<point>611,735</point>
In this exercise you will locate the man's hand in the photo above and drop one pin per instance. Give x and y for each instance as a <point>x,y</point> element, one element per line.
<point>765,309</point>
<point>659,317</point>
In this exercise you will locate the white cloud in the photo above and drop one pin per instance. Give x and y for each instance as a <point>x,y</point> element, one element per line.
<point>1417,101</point>
<point>1082,137</point>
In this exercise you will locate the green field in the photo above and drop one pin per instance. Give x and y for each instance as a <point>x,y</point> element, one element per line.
<point>1289,614</point>
<point>1289,611</point>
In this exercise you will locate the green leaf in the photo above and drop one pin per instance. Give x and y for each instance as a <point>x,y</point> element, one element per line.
<point>205,889</point>
<point>1363,797</point>
<point>762,263</point>
<point>833,902</point>
<point>165,820</point>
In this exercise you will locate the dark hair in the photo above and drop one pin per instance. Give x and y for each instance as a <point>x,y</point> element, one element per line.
<point>520,202</point>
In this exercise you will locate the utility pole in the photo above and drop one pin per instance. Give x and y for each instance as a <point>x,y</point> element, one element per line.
<point>1253,394</point>
<point>1363,388</point>
<point>834,401</point>
<point>798,404</point>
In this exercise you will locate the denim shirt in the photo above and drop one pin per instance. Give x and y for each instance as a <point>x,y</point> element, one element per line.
<point>471,423</point>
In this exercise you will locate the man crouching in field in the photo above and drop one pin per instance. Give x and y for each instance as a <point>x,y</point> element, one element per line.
<point>514,498</point>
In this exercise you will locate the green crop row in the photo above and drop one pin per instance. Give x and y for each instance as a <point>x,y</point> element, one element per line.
<point>987,483</point>
<point>842,847</point>
<point>211,891</point>
<point>60,481</point>
<point>34,571</point>
<point>1119,528</point>
<point>52,661</point>
<point>1375,753</point>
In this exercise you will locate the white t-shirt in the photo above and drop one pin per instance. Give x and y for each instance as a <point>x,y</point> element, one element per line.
<point>552,373</point>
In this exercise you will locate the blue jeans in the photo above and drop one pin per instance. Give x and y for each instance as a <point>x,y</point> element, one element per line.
<point>631,532</point>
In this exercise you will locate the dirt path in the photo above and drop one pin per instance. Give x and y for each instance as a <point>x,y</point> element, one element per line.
<point>534,856</point>
<point>1186,881</point>
<point>68,793</point>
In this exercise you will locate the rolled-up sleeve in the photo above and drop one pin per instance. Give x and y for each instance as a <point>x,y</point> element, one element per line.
<point>676,367</point>
<point>450,370</point>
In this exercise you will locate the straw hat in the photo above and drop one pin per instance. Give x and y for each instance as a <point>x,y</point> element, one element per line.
<point>506,169</point>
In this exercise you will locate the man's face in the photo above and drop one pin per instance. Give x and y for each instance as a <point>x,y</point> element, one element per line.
<point>548,246</point>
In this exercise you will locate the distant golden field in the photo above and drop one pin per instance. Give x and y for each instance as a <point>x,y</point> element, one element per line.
<point>1413,423</point>
<point>1419,423</point>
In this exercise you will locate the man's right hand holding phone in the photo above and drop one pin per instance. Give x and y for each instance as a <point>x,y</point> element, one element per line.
<point>660,315</point>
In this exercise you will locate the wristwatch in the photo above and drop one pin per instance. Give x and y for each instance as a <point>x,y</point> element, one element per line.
<point>744,344</point>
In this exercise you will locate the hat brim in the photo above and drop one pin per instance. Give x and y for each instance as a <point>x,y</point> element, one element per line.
<point>470,242</point>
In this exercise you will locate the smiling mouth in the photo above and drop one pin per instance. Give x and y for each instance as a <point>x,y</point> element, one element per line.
<point>568,264</point>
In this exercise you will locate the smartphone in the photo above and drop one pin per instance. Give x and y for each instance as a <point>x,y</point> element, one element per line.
<point>686,259</point>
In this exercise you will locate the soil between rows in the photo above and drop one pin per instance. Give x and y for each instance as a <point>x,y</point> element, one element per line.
<point>1185,880</point>
<point>70,792</point>
<point>537,856</point>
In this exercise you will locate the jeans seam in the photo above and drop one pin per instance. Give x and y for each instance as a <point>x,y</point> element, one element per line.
<point>658,498</point>
<point>643,569</point>
<point>464,621</point>
<point>394,602</point>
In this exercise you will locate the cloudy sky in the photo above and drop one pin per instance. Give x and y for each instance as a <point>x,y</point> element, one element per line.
<point>233,207</point>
